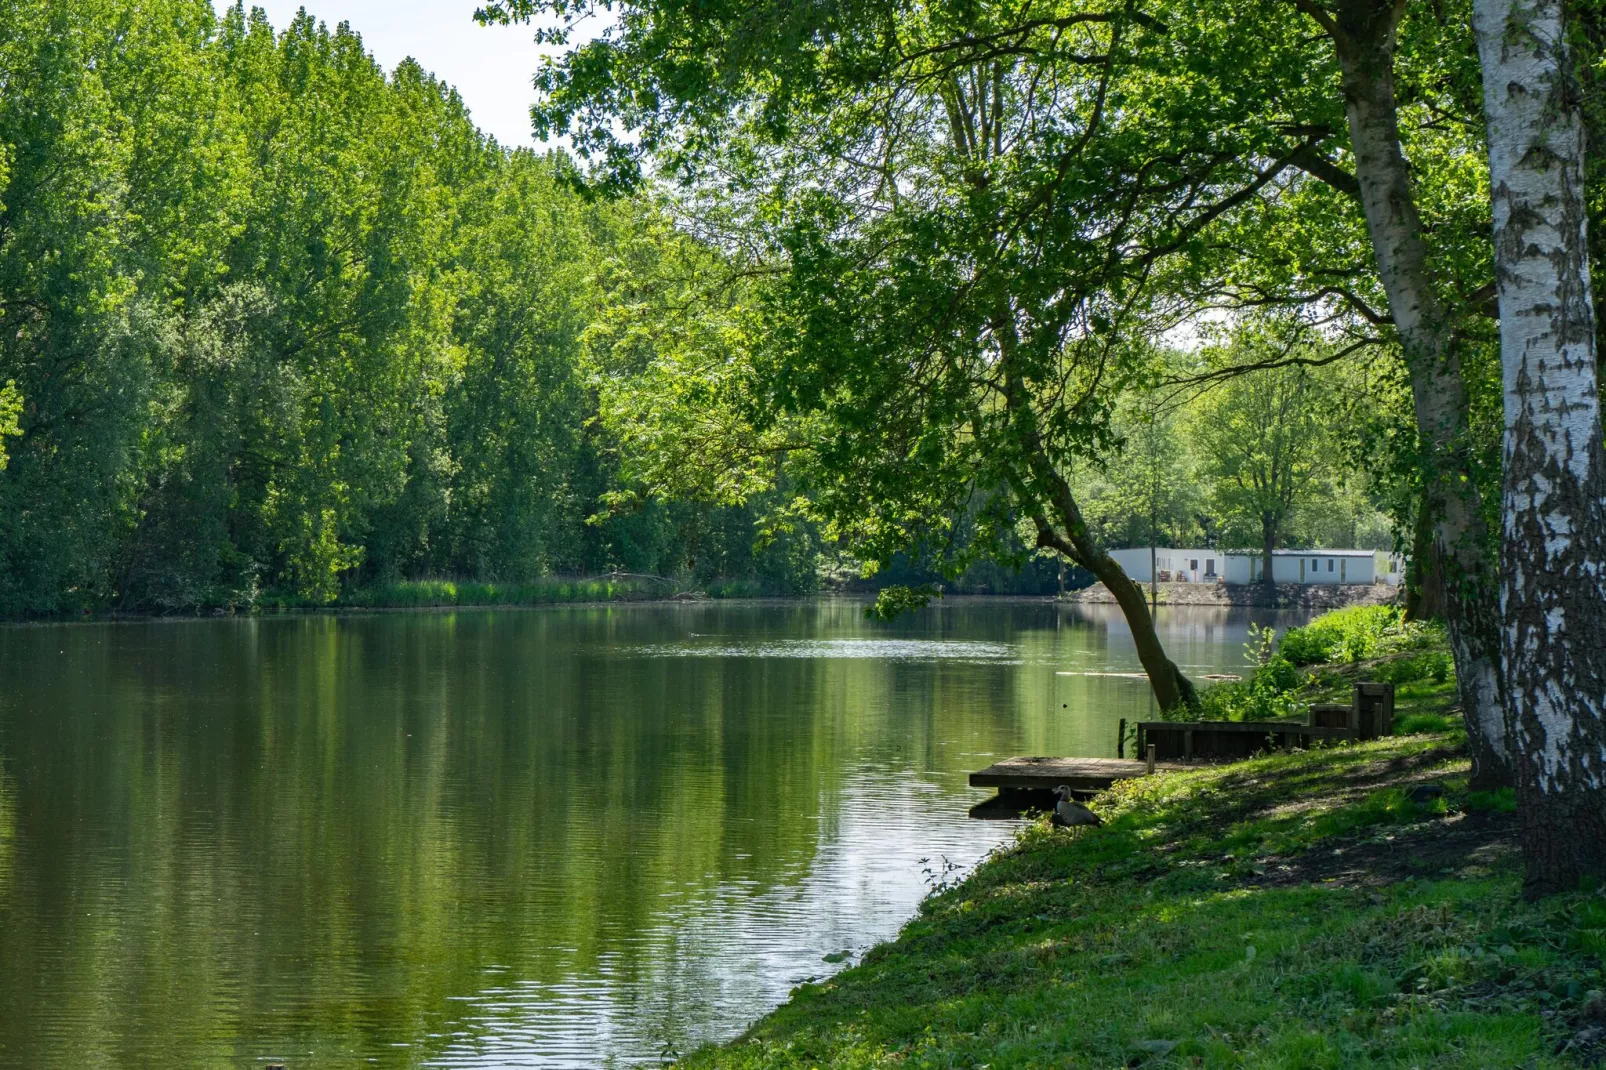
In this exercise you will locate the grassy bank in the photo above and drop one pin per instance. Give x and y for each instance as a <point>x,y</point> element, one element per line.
<point>1295,910</point>
<point>417,594</point>
<point>551,590</point>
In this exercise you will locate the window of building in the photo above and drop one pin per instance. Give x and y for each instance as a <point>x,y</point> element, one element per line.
<point>1210,566</point>
<point>1329,564</point>
<point>1315,563</point>
<point>1194,564</point>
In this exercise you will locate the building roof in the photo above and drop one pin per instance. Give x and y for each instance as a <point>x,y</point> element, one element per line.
<point>1249,553</point>
<point>1306,553</point>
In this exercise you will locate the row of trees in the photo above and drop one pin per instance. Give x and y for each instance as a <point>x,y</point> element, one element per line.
<point>1273,459</point>
<point>953,234</point>
<point>273,322</point>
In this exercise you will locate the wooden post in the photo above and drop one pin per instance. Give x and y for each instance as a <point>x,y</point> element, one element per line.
<point>1374,709</point>
<point>1120,740</point>
<point>1149,761</point>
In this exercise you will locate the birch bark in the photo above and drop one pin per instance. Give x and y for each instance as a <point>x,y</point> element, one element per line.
<point>1363,34</point>
<point>1553,537</point>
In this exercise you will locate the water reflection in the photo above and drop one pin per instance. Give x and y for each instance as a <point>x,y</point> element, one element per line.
<point>519,838</point>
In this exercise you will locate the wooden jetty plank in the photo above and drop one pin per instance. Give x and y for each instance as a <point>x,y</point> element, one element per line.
<point>1080,774</point>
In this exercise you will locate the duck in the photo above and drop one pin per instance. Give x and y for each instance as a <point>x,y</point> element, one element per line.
<point>1068,813</point>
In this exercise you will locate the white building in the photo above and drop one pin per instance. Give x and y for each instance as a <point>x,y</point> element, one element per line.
<point>1247,566</point>
<point>1175,565</point>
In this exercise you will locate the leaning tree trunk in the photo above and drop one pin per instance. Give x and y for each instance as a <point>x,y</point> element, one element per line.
<point>1072,539</point>
<point>1363,33</point>
<point>1172,689</point>
<point>1553,538</point>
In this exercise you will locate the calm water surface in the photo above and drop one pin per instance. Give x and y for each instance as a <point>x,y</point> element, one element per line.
<point>546,838</point>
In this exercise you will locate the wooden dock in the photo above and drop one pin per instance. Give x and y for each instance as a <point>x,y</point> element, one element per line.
<point>1027,784</point>
<point>1079,774</point>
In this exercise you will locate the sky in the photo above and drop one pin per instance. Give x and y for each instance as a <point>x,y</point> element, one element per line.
<point>491,66</point>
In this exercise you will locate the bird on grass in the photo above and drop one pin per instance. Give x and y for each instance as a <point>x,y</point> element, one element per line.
<point>1068,813</point>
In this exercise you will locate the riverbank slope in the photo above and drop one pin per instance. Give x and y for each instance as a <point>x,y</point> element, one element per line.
<point>1294,910</point>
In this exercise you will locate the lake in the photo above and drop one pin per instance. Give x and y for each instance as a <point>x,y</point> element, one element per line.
<point>565,837</point>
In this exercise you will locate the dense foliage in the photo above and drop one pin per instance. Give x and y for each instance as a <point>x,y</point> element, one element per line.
<point>274,323</point>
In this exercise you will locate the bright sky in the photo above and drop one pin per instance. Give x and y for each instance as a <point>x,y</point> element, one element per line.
<point>491,66</point>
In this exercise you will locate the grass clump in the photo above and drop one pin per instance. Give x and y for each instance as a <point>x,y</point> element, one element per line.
<point>1358,633</point>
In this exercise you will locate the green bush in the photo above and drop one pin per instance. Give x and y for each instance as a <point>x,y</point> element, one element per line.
<point>1364,632</point>
<point>735,589</point>
<point>1268,694</point>
<point>1342,635</point>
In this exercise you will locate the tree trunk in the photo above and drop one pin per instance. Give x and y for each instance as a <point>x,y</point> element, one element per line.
<point>1363,33</point>
<point>1424,590</point>
<point>1268,544</point>
<point>1553,539</point>
<point>1172,689</point>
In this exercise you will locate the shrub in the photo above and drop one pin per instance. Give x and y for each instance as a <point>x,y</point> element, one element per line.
<point>1343,635</point>
<point>1268,694</point>
<point>409,594</point>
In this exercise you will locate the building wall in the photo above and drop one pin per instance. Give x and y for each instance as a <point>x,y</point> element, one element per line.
<point>1177,565</point>
<point>1187,565</point>
<point>1238,568</point>
<point>1313,566</point>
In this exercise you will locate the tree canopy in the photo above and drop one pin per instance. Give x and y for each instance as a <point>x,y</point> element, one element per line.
<point>277,322</point>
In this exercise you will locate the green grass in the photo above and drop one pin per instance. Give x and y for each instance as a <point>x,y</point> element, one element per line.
<point>1153,941</point>
<point>1294,910</point>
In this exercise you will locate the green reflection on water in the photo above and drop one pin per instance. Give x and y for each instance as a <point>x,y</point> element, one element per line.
<point>540,838</point>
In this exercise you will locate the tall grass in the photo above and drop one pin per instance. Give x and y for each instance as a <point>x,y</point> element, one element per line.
<point>418,594</point>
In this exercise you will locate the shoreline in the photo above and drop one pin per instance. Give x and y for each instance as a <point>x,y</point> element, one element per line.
<point>1353,905</point>
<point>271,611</point>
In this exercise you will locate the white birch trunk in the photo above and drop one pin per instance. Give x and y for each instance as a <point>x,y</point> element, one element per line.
<point>1553,538</point>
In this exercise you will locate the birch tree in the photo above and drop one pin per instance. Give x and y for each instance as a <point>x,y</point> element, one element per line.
<point>1553,538</point>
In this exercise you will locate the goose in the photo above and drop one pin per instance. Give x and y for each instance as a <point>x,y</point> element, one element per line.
<point>1068,813</point>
